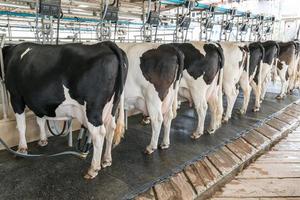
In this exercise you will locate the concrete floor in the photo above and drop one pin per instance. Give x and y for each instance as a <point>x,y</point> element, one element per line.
<point>132,172</point>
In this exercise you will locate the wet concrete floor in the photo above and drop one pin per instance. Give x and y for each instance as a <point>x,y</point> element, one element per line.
<point>132,171</point>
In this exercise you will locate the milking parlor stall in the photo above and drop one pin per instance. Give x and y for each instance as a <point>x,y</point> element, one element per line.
<point>149,100</point>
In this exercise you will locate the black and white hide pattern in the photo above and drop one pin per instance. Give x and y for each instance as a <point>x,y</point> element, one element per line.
<point>251,77</point>
<point>201,83</point>
<point>286,67</point>
<point>73,80</point>
<point>269,65</point>
<point>152,85</point>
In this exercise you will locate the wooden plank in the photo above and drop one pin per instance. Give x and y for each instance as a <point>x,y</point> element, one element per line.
<point>195,173</point>
<point>222,161</point>
<point>256,139</point>
<point>277,124</point>
<point>269,170</point>
<point>279,157</point>
<point>241,148</point>
<point>268,131</point>
<point>149,195</point>
<point>292,113</point>
<point>295,107</point>
<point>287,146</point>
<point>241,188</point>
<point>286,118</point>
<point>177,187</point>
<point>292,138</point>
<point>245,198</point>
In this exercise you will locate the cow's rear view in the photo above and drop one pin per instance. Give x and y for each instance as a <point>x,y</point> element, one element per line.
<point>74,80</point>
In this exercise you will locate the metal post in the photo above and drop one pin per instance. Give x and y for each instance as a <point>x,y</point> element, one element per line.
<point>51,29</point>
<point>4,92</point>
<point>70,138</point>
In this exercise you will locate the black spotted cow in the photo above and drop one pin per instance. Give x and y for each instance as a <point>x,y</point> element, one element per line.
<point>286,67</point>
<point>251,76</point>
<point>73,80</point>
<point>269,64</point>
<point>236,57</point>
<point>201,82</point>
<point>152,85</point>
<point>297,64</point>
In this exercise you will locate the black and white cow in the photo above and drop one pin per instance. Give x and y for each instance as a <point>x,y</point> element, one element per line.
<point>251,77</point>
<point>152,86</point>
<point>236,57</point>
<point>73,80</point>
<point>201,83</point>
<point>297,64</point>
<point>286,67</point>
<point>269,64</point>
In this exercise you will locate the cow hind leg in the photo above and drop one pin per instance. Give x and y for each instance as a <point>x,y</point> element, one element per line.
<point>231,95</point>
<point>201,108</point>
<point>168,116</point>
<point>257,93</point>
<point>110,128</point>
<point>284,83</point>
<point>154,105</point>
<point>43,136</point>
<point>18,106</point>
<point>21,126</point>
<point>245,85</point>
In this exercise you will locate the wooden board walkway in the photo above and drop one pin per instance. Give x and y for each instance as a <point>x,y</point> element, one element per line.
<point>275,175</point>
<point>278,168</point>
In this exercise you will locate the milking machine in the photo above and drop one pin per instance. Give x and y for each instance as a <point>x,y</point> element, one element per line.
<point>46,11</point>
<point>244,26</point>
<point>183,22</point>
<point>109,16</point>
<point>227,24</point>
<point>151,21</point>
<point>207,19</point>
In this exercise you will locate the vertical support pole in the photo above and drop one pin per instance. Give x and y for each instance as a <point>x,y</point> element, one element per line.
<point>51,29</point>
<point>4,92</point>
<point>70,137</point>
<point>126,119</point>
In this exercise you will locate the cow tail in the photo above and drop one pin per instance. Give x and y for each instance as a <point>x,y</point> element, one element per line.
<point>274,72</point>
<point>118,101</point>
<point>180,57</point>
<point>120,126</point>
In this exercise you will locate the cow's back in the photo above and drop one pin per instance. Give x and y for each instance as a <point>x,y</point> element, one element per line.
<point>40,75</point>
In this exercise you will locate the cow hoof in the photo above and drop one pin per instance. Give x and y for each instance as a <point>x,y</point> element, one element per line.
<point>195,136</point>
<point>242,111</point>
<point>22,151</point>
<point>106,163</point>
<point>164,146</point>
<point>211,131</point>
<point>225,120</point>
<point>279,97</point>
<point>149,150</point>
<point>43,143</point>
<point>256,109</point>
<point>146,121</point>
<point>91,174</point>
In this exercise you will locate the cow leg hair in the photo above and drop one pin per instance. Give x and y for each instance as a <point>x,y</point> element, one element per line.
<point>21,126</point>
<point>154,105</point>
<point>231,95</point>
<point>257,93</point>
<point>201,108</point>
<point>245,85</point>
<point>168,117</point>
<point>43,136</point>
<point>110,129</point>
<point>98,134</point>
<point>284,83</point>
